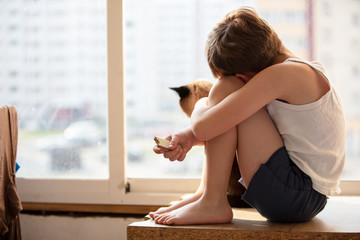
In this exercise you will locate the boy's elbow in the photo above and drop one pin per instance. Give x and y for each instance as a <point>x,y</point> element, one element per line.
<point>200,132</point>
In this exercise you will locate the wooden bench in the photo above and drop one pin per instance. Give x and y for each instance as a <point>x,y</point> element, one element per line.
<point>339,220</point>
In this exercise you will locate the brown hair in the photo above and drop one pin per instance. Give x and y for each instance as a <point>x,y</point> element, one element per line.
<point>241,42</point>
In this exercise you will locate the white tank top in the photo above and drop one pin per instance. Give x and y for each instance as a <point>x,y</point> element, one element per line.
<point>314,135</point>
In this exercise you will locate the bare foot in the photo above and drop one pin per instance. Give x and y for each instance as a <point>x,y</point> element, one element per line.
<point>199,212</point>
<point>188,199</point>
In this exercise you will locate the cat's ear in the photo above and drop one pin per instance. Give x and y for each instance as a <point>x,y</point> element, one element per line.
<point>183,91</point>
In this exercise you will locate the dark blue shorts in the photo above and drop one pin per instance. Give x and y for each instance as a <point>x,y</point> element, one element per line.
<point>281,192</point>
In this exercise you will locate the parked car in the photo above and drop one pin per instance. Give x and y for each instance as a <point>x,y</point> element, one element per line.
<point>85,133</point>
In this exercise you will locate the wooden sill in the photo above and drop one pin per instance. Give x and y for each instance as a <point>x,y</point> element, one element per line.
<point>340,220</point>
<point>89,208</point>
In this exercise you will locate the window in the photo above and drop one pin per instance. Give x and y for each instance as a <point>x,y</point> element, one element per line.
<point>89,107</point>
<point>172,54</point>
<point>56,76</point>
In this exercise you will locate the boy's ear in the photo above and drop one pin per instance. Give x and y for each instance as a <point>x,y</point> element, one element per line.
<point>245,76</point>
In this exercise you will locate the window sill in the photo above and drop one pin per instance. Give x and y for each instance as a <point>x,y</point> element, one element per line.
<point>89,208</point>
<point>249,224</point>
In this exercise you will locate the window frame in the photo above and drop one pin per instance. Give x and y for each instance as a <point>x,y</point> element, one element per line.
<point>114,190</point>
<point>111,190</point>
<point>118,189</point>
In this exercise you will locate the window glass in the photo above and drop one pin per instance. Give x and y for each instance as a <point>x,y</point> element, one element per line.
<point>53,70</point>
<point>164,47</point>
<point>337,48</point>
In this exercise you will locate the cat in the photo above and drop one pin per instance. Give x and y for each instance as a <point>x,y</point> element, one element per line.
<point>189,94</point>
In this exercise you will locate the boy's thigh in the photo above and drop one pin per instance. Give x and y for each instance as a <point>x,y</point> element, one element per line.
<point>280,191</point>
<point>258,139</point>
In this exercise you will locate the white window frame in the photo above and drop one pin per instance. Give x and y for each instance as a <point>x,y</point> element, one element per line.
<point>114,190</point>
<point>118,189</point>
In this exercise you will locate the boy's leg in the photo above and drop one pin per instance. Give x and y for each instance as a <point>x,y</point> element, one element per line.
<point>215,175</point>
<point>256,139</point>
<point>213,206</point>
<point>186,200</point>
<point>257,136</point>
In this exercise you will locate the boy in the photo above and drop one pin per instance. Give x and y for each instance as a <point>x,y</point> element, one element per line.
<point>280,114</point>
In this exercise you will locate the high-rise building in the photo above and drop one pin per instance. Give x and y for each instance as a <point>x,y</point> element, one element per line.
<point>290,19</point>
<point>53,60</point>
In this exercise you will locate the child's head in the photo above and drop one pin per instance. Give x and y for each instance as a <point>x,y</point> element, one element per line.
<point>241,42</point>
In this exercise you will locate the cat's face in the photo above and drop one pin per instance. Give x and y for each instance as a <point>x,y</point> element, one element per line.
<point>191,93</point>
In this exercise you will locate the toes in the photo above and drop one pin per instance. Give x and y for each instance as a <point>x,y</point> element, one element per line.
<point>151,214</point>
<point>159,211</point>
<point>170,220</point>
<point>159,218</point>
<point>166,218</point>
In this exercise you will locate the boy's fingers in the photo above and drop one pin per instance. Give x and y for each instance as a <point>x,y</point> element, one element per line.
<point>174,141</point>
<point>182,157</point>
<point>171,154</point>
<point>158,150</point>
<point>176,156</point>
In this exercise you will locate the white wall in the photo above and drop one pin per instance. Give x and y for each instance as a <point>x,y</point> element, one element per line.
<point>57,227</point>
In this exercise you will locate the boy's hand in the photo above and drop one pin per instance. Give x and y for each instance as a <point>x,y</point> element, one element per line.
<point>184,139</point>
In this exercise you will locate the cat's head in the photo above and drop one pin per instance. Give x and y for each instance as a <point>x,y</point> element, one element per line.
<point>191,93</point>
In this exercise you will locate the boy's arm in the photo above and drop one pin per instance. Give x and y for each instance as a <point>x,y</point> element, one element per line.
<point>209,122</point>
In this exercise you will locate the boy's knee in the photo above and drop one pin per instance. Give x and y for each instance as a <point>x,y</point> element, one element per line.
<point>224,87</point>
